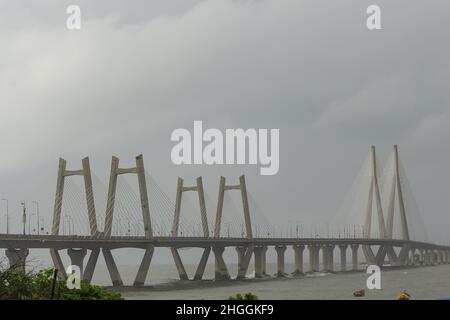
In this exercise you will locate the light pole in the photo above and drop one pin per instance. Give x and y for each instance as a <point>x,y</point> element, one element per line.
<point>24,216</point>
<point>42,223</point>
<point>37,214</point>
<point>7,215</point>
<point>29,223</point>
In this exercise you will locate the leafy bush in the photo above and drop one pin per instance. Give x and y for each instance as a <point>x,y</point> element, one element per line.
<point>17,285</point>
<point>247,296</point>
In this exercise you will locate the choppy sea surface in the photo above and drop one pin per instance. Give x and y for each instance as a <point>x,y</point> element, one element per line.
<point>431,282</point>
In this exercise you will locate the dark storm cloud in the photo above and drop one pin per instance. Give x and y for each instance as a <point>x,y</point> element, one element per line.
<point>135,72</point>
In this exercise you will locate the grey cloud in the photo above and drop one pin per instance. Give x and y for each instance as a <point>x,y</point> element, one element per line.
<point>311,68</point>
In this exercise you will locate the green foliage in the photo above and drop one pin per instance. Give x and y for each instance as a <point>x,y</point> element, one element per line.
<point>16,285</point>
<point>247,296</point>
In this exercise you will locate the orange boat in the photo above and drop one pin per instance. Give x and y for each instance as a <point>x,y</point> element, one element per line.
<point>403,295</point>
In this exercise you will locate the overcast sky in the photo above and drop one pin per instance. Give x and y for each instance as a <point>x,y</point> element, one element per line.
<point>137,70</point>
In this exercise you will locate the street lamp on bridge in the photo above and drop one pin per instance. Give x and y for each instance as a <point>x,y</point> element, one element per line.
<point>24,216</point>
<point>37,214</point>
<point>7,215</point>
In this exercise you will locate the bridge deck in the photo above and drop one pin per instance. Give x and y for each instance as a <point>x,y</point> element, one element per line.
<point>89,242</point>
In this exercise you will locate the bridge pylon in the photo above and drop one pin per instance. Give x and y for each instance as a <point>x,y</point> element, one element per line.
<point>221,271</point>
<point>396,187</point>
<point>63,173</point>
<point>109,216</point>
<point>374,192</point>
<point>176,222</point>
<point>386,226</point>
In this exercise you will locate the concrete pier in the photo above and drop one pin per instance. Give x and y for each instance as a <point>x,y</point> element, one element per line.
<point>280,260</point>
<point>330,258</point>
<point>354,257</point>
<point>202,264</point>
<point>264,261</point>
<point>259,258</point>
<point>313,258</point>
<point>298,259</point>
<point>17,258</point>
<point>240,255</point>
<point>423,258</point>
<point>116,279</point>
<point>411,261</point>
<point>77,258</point>
<point>90,266</point>
<point>325,258</point>
<point>343,251</point>
<point>141,275</point>
<point>179,264</point>
<point>221,271</point>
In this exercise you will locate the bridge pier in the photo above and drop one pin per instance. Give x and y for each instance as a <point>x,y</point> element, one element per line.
<point>202,265</point>
<point>221,271</point>
<point>331,258</point>
<point>423,257</point>
<point>280,260</point>
<point>77,258</point>
<point>264,261</point>
<point>90,266</point>
<point>426,257</point>
<point>112,268</point>
<point>17,258</point>
<point>429,255</point>
<point>298,258</point>
<point>244,256</point>
<point>343,250</point>
<point>325,258</point>
<point>317,258</point>
<point>179,264</point>
<point>141,275</point>
<point>354,257</point>
<point>432,257</point>
<point>240,255</point>
<point>410,260</point>
<point>313,258</point>
<point>259,261</point>
<point>441,257</point>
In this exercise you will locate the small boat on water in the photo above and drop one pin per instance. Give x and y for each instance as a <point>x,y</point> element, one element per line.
<point>359,293</point>
<point>403,295</point>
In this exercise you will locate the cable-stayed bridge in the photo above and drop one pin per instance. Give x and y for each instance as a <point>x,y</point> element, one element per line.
<point>378,218</point>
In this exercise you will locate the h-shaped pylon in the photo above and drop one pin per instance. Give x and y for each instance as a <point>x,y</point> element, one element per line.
<point>115,172</point>
<point>62,174</point>
<point>221,271</point>
<point>243,188</point>
<point>176,222</point>
<point>109,215</point>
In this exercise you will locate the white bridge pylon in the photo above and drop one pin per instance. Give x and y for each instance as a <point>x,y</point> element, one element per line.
<point>176,222</point>
<point>377,204</point>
